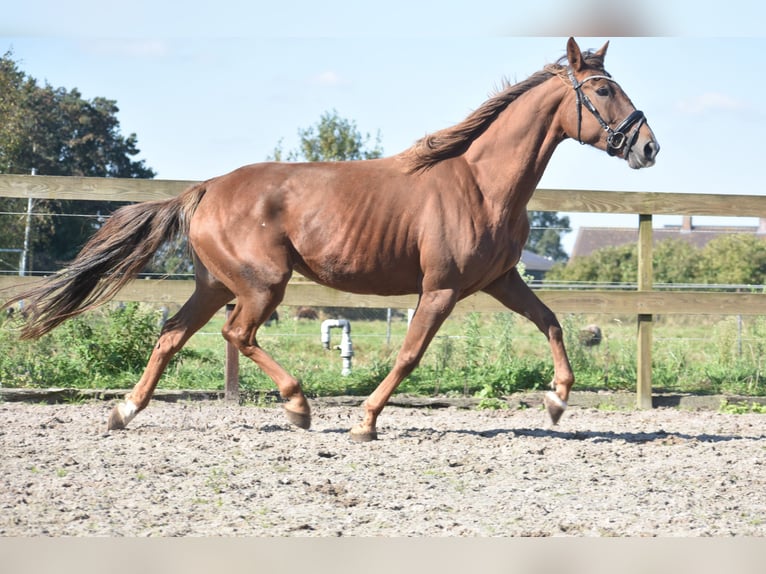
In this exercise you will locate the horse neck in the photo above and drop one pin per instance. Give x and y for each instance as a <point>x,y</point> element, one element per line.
<point>509,158</point>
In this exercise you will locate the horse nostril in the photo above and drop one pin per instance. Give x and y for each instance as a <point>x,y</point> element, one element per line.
<point>651,149</point>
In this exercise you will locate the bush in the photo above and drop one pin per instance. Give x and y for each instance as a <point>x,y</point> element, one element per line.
<point>736,259</point>
<point>103,348</point>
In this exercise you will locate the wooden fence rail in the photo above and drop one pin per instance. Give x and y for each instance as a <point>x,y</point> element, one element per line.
<point>300,293</point>
<point>643,303</point>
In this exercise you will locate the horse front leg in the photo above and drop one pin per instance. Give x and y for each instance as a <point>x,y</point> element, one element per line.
<point>433,308</point>
<point>514,293</point>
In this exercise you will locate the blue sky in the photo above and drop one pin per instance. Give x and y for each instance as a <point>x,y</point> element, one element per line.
<point>207,89</point>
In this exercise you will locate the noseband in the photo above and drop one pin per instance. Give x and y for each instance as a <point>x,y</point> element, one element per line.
<point>617,138</point>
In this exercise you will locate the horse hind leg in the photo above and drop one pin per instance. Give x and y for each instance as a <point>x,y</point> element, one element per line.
<point>194,314</point>
<point>250,312</point>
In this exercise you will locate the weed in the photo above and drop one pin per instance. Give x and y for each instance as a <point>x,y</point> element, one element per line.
<point>608,407</point>
<point>492,403</point>
<point>742,408</point>
<point>459,486</point>
<point>217,480</point>
<point>434,473</point>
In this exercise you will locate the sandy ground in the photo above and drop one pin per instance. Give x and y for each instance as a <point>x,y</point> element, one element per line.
<point>213,469</point>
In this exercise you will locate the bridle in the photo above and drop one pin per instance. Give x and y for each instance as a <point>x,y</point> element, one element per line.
<point>617,138</point>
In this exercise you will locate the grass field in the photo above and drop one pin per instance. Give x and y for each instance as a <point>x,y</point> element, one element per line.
<point>486,355</point>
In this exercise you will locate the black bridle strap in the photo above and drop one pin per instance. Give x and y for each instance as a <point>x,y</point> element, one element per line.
<point>636,117</point>
<point>617,138</point>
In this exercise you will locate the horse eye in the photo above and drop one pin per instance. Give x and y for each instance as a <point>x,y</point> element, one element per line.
<point>603,91</point>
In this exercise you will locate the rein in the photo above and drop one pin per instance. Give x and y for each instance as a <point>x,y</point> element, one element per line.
<point>617,138</point>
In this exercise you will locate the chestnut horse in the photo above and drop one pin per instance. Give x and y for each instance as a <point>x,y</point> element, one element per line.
<point>444,219</point>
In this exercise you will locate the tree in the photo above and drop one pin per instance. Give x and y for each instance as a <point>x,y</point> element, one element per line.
<point>14,89</point>
<point>732,259</point>
<point>332,139</point>
<point>546,230</point>
<point>55,131</point>
<point>676,261</point>
<point>737,259</point>
<point>616,264</point>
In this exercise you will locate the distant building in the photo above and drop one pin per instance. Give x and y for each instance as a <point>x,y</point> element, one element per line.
<point>590,239</point>
<point>536,265</point>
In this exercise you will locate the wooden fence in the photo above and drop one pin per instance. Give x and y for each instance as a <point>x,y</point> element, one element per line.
<point>643,302</point>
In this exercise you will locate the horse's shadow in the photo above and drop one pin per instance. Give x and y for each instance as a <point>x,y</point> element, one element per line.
<point>609,436</point>
<point>579,435</point>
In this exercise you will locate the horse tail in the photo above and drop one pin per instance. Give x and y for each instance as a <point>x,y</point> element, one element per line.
<point>113,256</point>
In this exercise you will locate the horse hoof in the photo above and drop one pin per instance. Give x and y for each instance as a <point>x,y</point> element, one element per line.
<point>554,405</point>
<point>360,435</point>
<point>115,422</point>
<point>301,420</point>
<point>121,415</point>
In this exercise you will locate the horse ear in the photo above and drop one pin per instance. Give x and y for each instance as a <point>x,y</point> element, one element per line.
<point>574,55</point>
<point>602,52</point>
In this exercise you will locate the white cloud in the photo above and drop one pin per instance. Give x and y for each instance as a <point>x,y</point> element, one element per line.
<point>711,102</point>
<point>329,78</point>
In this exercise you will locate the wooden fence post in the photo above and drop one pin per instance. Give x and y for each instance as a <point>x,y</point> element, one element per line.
<point>644,345</point>
<point>231,366</point>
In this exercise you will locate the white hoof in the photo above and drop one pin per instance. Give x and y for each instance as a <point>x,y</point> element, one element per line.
<point>121,415</point>
<point>555,406</point>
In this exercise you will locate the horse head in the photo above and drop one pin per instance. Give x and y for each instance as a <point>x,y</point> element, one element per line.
<point>613,123</point>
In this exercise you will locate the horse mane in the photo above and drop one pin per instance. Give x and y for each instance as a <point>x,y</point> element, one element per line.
<point>454,141</point>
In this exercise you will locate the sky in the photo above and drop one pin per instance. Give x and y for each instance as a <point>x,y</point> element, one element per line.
<point>210,88</point>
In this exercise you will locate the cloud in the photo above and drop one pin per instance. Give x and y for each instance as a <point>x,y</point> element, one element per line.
<point>329,78</point>
<point>711,102</point>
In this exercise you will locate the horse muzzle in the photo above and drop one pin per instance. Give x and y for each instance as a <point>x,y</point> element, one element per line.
<point>643,150</point>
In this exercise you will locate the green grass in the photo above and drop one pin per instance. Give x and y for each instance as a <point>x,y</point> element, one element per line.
<point>484,355</point>
<point>742,408</point>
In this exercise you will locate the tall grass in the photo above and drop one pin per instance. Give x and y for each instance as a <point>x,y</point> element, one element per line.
<point>483,355</point>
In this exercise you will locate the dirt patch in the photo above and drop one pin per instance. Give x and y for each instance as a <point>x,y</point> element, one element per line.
<point>208,468</point>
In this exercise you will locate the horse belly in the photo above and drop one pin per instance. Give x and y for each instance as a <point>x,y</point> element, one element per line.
<point>366,275</point>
